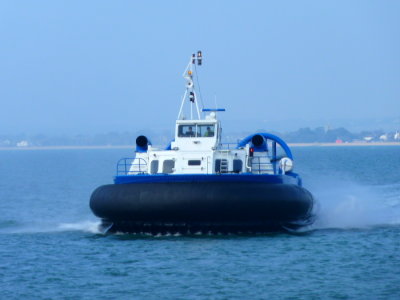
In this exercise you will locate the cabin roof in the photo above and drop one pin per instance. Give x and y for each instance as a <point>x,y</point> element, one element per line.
<point>201,121</point>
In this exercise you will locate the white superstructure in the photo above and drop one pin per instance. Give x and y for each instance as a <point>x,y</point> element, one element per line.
<point>197,148</point>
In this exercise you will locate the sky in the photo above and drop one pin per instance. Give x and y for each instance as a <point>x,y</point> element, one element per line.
<point>86,67</point>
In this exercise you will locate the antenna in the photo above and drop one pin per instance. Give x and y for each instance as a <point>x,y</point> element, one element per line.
<point>190,91</point>
<point>199,58</point>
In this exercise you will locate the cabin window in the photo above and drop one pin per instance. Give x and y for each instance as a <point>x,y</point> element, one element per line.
<point>194,130</point>
<point>221,165</point>
<point>154,167</point>
<point>168,166</point>
<point>194,162</point>
<point>206,130</point>
<point>187,130</point>
<point>237,165</point>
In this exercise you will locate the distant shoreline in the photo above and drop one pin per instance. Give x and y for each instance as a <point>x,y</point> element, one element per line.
<point>133,147</point>
<point>344,144</point>
<point>65,147</point>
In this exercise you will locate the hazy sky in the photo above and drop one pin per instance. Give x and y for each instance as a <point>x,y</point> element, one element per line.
<point>99,66</point>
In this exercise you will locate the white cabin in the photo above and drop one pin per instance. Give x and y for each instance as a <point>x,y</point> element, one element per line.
<point>197,147</point>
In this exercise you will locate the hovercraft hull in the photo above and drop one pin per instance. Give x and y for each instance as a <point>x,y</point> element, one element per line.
<point>191,207</point>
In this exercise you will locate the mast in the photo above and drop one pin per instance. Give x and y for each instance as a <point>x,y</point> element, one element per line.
<point>190,93</point>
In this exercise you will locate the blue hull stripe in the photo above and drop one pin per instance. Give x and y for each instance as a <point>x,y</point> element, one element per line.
<point>292,178</point>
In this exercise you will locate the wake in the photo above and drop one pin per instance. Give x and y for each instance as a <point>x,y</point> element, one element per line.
<point>10,227</point>
<point>345,205</point>
<point>85,226</point>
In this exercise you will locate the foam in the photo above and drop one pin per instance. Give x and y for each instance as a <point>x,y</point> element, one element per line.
<point>85,226</point>
<point>345,204</point>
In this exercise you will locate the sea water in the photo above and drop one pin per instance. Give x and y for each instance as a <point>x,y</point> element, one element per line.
<point>50,247</point>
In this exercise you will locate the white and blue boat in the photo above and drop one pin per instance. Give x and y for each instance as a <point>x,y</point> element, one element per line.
<point>198,184</point>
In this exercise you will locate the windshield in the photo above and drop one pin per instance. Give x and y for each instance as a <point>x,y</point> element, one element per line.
<point>195,130</point>
<point>205,130</point>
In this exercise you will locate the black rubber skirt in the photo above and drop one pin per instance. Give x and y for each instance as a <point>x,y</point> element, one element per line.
<point>186,207</point>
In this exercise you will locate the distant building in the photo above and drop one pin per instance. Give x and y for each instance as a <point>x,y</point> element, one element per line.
<point>23,144</point>
<point>368,138</point>
<point>383,137</point>
<point>5,143</point>
<point>397,136</point>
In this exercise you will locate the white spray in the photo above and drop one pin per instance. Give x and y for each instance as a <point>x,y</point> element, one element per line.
<point>345,204</point>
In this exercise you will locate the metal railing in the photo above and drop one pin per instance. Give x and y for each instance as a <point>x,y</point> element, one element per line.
<point>261,165</point>
<point>227,146</point>
<point>131,166</point>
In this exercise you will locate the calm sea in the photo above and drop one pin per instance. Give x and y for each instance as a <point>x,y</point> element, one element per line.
<point>50,247</point>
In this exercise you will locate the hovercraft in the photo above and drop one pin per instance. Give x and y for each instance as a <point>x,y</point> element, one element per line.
<point>198,184</point>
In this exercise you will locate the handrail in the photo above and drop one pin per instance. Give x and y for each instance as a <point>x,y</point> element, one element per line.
<point>131,166</point>
<point>259,167</point>
<point>227,146</point>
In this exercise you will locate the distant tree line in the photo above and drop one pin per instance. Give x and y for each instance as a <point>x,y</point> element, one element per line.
<point>302,135</point>
<point>323,135</point>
